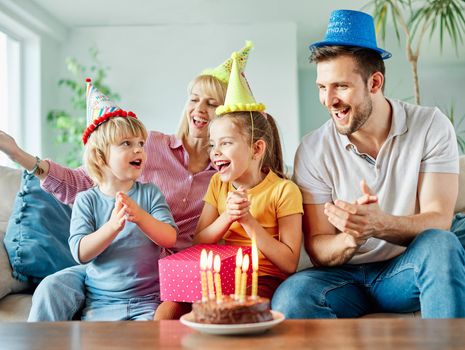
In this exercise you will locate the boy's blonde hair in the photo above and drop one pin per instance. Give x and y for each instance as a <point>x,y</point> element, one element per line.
<point>109,133</point>
<point>212,87</point>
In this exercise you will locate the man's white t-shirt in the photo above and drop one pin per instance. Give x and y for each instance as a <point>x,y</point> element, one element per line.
<point>328,167</point>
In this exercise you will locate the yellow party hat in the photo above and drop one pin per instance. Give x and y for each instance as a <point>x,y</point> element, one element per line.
<point>223,71</point>
<point>239,97</point>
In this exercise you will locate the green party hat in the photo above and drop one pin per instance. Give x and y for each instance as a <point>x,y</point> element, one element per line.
<point>223,71</point>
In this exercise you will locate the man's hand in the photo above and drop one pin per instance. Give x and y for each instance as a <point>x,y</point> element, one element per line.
<point>362,219</point>
<point>237,204</point>
<point>368,196</point>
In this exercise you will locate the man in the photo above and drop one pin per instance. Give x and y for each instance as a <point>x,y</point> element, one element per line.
<point>379,183</point>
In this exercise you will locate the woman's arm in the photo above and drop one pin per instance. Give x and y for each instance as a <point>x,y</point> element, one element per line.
<point>18,155</point>
<point>61,182</point>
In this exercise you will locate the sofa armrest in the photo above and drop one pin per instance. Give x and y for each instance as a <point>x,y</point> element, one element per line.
<point>460,204</point>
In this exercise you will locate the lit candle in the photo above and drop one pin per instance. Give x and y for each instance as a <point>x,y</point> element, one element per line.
<point>237,277</point>
<point>217,266</point>
<point>255,268</point>
<point>203,275</point>
<point>245,267</point>
<point>211,290</point>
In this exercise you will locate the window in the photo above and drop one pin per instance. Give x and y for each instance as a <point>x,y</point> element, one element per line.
<point>10,118</point>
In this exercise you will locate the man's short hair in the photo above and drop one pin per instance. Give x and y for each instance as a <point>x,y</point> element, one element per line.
<point>368,61</point>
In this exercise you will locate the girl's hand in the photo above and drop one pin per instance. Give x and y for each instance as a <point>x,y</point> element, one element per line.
<point>237,204</point>
<point>132,210</point>
<point>118,217</point>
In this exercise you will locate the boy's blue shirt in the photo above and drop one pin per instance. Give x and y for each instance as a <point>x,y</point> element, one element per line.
<point>128,268</point>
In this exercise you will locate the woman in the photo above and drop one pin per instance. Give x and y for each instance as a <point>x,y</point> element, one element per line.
<point>178,164</point>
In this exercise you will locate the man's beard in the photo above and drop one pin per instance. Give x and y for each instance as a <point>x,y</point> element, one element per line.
<point>360,113</point>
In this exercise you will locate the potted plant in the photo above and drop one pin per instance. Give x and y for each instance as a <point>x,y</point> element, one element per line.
<point>69,126</point>
<point>415,19</point>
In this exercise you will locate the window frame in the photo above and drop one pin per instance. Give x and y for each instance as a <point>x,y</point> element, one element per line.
<point>23,84</point>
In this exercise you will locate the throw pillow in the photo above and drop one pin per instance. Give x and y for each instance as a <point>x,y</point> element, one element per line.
<point>10,180</point>
<point>36,237</point>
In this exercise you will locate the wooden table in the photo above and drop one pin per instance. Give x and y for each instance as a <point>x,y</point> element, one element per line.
<point>290,335</point>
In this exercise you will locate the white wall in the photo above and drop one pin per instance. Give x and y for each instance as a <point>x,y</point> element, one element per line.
<point>152,65</point>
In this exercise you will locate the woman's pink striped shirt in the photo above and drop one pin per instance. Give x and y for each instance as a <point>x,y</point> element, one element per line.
<point>166,166</point>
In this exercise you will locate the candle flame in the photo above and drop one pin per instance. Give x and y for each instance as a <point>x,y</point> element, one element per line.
<point>203,260</point>
<point>245,263</point>
<point>217,263</point>
<point>239,257</point>
<point>210,260</point>
<point>254,254</point>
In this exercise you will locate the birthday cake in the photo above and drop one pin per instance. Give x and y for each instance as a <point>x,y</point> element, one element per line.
<point>230,311</point>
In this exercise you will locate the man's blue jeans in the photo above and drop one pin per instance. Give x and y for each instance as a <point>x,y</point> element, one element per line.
<point>429,276</point>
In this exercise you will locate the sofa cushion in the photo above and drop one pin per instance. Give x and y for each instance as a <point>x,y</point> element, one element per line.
<point>8,284</point>
<point>36,238</point>
<point>9,185</point>
<point>15,307</point>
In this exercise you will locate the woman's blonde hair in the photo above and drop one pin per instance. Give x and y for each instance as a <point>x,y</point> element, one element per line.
<point>257,126</point>
<point>212,87</point>
<point>109,133</point>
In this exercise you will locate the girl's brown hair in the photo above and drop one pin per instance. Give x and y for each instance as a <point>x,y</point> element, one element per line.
<point>257,126</point>
<point>109,133</point>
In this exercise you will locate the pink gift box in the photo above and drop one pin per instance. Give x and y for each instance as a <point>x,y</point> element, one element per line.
<point>180,272</point>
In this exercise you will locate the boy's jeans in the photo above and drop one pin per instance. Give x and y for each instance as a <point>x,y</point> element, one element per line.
<point>134,309</point>
<point>61,295</point>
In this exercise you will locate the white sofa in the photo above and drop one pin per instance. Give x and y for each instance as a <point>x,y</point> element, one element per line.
<point>14,301</point>
<point>15,296</point>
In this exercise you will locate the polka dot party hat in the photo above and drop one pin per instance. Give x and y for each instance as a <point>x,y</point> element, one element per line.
<point>99,109</point>
<point>223,71</point>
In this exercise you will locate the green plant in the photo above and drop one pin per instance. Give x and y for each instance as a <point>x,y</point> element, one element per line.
<point>69,126</point>
<point>415,19</point>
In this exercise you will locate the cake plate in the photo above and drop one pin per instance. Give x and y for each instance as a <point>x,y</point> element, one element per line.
<point>227,329</point>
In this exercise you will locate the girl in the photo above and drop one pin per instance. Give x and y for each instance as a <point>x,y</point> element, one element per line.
<point>250,196</point>
<point>119,226</point>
